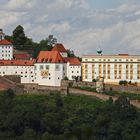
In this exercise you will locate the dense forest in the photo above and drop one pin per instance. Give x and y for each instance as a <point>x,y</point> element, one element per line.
<point>59,117</point>
<point>22,42</point>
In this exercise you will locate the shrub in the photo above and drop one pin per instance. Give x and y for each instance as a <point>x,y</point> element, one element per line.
<point>66,78</point>
<point>94,80</point>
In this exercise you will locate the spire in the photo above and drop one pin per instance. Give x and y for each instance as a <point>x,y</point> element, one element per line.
<point>2,35</point>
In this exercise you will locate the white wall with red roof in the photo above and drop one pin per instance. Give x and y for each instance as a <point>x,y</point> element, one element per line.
<point>6,50</point>
<point>49,74</point>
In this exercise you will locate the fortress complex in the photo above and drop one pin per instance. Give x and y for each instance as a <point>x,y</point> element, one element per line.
<point>48,69</point>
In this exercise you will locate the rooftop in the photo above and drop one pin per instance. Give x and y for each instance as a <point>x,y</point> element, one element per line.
<point>5,42</point>
<point>73,61</point>
<point>50,57</point>
<point>17,62</point>
<point>59,48</point>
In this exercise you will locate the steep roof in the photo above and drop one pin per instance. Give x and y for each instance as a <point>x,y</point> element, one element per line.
<point>50,57</point>
<point>17,62</point>
<point>59,48</point>
<point>22,56</point>
<point>73,61</point>
<point>5,42</point>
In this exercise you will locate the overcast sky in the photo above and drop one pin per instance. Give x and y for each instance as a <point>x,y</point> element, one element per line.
<point>81,25</point>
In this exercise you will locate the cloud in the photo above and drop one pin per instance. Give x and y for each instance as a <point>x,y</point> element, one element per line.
<point>76,23</point>
<point>20,4</point>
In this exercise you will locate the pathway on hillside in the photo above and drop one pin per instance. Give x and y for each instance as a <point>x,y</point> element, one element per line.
<point>103,97</point>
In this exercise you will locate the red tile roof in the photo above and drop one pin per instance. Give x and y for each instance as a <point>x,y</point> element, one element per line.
<point>5,42</point>
<point>17,62</point>
<point>50,57</point>
<point>22,56</point>
<point>73,61</point>
<point>59,48</point>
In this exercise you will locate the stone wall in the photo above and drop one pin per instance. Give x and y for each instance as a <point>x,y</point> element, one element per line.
<point>107,87</point>
<point>35,88</point>
<point>77,84</point>
<point>14,78</point>
<point>121,88</point>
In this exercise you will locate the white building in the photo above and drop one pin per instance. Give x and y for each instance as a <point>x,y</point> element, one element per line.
<point>48,69</point>
<point>73,68</point>
<point>22,68</point>
<point>52,66</point>
<point>112,67</point>
<point>6,48</point>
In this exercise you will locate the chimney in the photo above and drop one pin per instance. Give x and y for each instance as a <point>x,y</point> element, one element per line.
<point>2,35</point>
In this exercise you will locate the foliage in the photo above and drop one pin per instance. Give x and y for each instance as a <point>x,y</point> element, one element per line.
<point>56,117</point>
<point>19,37</point>
<point>132,96</point>
<point>70,53</point>
<point>123,82</point>
<point>94,80</point>
<point>66,78</point>
<point>22,42</point>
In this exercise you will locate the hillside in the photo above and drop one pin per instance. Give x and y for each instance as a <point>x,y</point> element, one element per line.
<point>57,117</point>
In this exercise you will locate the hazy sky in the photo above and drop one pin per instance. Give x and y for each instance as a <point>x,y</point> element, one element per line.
<point>81,25</point>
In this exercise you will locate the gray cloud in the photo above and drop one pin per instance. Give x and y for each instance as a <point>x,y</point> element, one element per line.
<point>76,24</point>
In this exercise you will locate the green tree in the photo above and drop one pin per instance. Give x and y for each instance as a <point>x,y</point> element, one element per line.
<point>19,38</point>
<point>70,53</point>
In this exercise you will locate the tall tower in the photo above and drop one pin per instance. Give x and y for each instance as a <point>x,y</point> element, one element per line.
<point>2,35</point>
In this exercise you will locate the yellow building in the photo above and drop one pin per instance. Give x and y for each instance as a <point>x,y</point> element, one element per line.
<point>112,67</point>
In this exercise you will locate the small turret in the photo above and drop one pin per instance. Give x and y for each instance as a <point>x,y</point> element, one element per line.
<point>2,35</point>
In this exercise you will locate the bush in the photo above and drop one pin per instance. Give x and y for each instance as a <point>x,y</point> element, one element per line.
<point>66,78</point>
<point>94,80</point>
<point>123,82</point>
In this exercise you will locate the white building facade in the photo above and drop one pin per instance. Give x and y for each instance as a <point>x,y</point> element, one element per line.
<point>6,48</point>
<point>113,68</point>
<point>48,69</point>
<point>21,68</point>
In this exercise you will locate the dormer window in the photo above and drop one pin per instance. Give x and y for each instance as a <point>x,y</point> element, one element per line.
<point>42,60</point>
<point>50,60</point>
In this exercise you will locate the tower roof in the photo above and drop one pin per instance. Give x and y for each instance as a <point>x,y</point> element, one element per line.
<point>5,42</point>
<point>59,48</point>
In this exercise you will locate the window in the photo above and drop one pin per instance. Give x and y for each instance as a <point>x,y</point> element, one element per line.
<point>49,78</point>
<point>72,71</point>
<point>58,78</point>
<point>41,67</point>
<point>47,67</point>
<point>57,67</point>
<point>35,67</point>
<point>77,71</point>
